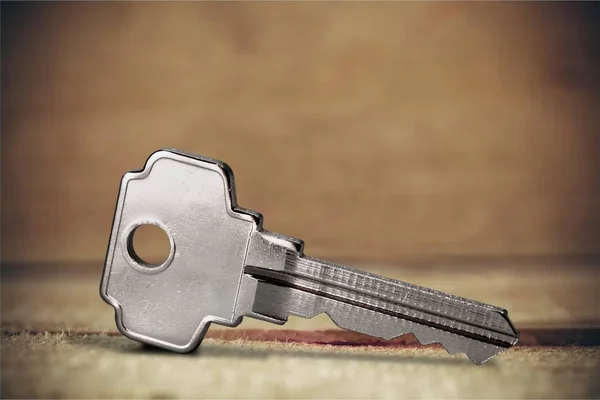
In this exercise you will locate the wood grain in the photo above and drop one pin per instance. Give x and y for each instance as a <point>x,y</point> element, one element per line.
<point>547,337</point>
<point>59,340</point>
<point>373,131</point>
<point>75,366</point>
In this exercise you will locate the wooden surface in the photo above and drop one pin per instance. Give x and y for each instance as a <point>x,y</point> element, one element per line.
<point>376,132</point>
<point>71,366</point>
<point>59,341</point>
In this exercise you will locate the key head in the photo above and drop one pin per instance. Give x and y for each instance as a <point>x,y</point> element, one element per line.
<point>192,199</point>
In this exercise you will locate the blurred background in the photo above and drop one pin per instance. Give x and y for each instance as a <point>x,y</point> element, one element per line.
<point>455,145</point>
<point>377,132</point>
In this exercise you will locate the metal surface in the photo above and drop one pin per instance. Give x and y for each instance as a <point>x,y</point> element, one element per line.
<point>223,266</point>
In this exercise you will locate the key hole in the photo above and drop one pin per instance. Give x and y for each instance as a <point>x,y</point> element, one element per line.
<point>149,245</point>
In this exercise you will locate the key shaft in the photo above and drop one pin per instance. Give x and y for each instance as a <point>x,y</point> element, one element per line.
<point>308,286</point>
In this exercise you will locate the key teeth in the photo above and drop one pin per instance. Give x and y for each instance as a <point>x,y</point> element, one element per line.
<point>478,352</point>
<point>453,347</point>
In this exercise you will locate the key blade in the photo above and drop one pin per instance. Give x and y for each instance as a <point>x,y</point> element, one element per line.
<point>382,307</point>
<point>281,301</point>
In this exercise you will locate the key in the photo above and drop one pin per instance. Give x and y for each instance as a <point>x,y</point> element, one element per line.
<point>223,266</point>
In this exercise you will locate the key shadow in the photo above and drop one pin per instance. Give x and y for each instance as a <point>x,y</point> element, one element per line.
<point>262,350</point>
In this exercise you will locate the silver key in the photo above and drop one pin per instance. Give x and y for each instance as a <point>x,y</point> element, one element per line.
<point>223,266</point>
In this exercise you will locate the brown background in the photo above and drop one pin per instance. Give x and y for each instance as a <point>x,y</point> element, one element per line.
<point>376,132</point>
<point>380,133</point>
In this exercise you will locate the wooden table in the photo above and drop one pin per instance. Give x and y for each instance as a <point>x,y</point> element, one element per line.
<point>59,341</point>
